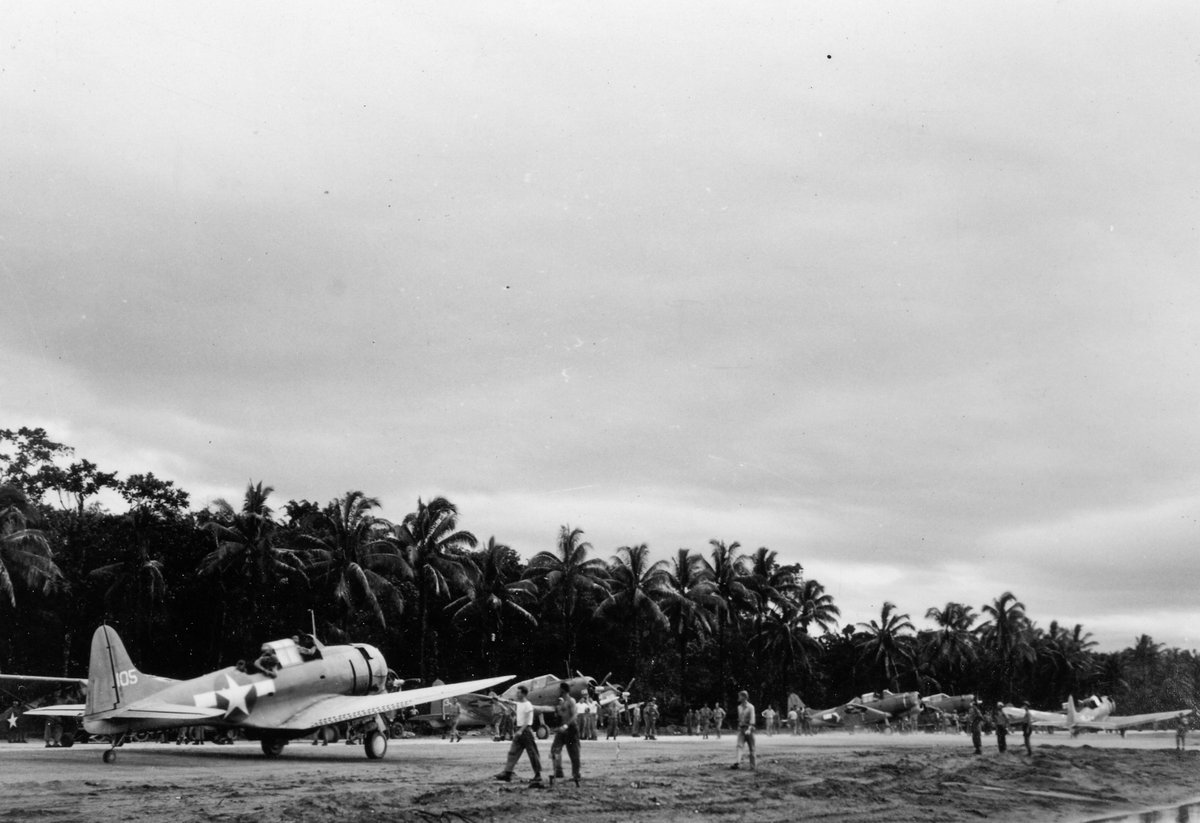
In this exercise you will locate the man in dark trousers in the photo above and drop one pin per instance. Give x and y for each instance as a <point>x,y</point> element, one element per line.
<point>975,722</point>
<point>566,733</point>
<point>1027,729</point>
<point>1000,721</point>
<point>523,741</point>
<point>650,716</point>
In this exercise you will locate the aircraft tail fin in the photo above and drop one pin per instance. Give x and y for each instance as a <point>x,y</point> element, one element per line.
<point>113,680</point>
<point>1071,711</point>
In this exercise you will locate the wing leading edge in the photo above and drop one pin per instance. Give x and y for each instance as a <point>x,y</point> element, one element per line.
<point>1127,721</point>
<point>340,708</point>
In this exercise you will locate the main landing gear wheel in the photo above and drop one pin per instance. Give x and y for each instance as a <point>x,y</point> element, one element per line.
<point>272,747</point>
<point>109,755</point>
<point>375,745</point>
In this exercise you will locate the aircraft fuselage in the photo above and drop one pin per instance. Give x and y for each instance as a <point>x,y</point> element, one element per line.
<point>252,701</point>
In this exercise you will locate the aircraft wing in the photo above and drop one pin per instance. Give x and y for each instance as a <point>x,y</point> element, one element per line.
<point>340,708</point>
<point>481,704</point>
<point>869,715</point>
<point>63,710</point>
<point>1115,723</point>
<point>1057,720</point>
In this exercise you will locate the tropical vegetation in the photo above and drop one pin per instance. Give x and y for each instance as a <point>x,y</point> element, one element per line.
<point>194,589</point>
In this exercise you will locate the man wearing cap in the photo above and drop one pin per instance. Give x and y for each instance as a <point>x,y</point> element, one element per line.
<point>1000,721</point>
<point>1027,730</point>
<point>650,719</point>
<point>975,721</point>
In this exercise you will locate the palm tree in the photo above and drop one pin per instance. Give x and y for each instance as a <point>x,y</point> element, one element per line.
<point>1143,673</point>
<point>247,557</point>
<point>634,587</point>
<point>24,551</point>
<point>136,581</point>
<point>812,604</point>
<point>688,598</point>
<point>729,574</point>
<point>567,580</point>
<point>786,639</point>
<point>350,552</point>
<point>816,606</point>
<point>888,642</point>
<point>435,550</point>
<point>951,647</point>
<point>773,586</point>
<point>1004,635</point>
<point>493,596</point>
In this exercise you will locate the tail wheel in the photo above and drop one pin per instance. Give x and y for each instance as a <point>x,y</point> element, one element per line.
<point>109,755</point>
<point>375,745</point>
<point>272,747</point>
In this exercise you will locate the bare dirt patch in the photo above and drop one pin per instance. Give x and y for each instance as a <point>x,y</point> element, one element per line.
<point>865,777</point>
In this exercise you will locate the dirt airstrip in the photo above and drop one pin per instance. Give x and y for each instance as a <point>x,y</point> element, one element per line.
<point>834,776</point>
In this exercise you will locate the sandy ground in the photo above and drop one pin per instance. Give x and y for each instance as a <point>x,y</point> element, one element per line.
<point>833,776</point>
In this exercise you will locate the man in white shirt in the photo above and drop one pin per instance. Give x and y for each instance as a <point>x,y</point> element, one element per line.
<point>746,723</point>
<point>523,741</point>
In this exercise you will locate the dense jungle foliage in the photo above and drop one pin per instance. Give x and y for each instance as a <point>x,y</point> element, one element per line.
<point>194,590</point>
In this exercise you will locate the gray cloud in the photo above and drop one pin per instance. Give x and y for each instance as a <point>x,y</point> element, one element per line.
<point>907,295</point>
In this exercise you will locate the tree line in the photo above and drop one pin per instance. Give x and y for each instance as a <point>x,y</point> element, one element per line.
<point>191,590</point>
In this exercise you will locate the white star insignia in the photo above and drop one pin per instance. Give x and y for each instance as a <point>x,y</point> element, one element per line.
<point>12,721</point>
<point>235,696</point>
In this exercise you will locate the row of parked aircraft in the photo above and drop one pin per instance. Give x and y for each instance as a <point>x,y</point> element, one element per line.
<point>309,688</point>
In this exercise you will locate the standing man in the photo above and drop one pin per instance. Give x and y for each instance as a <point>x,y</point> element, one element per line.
<point>746,723</point>
<point>566,733</point>
<point>1027,720</point>
<point>1181,730</point>
<point>769,721</point>
<point>1000,721</point>
<point>453,715</point>
<point>975,721</point>
<point>718,718</point>
<point>614,719</point>
<point>650,719</point>
<point>705,720</point>
<point>523,741</point>
<point>591,710</point>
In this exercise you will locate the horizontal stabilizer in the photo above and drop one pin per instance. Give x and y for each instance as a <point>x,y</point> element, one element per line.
<point>150,710</point>
<point>24,678</point>
<point>64,710</point>
<point>341,708</point>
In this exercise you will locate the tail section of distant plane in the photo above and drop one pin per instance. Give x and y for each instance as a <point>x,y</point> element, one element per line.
<point>113,680</point>
<point>1072,713</point>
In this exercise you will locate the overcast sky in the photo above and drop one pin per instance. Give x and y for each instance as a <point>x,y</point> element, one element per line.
<point>907,293</point>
